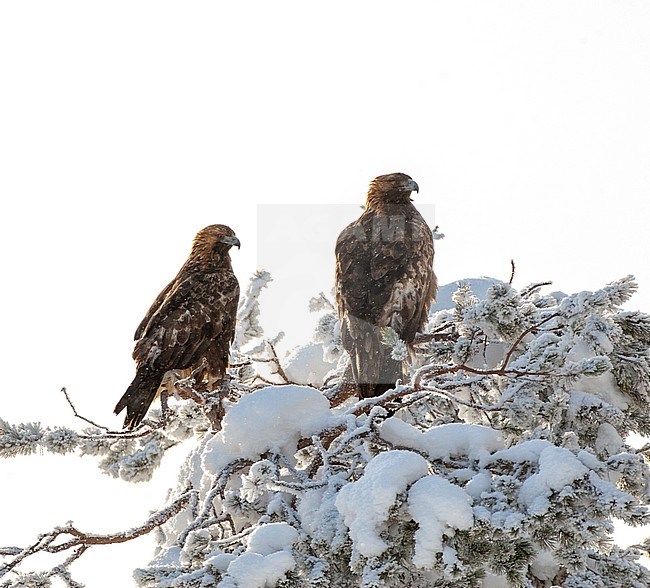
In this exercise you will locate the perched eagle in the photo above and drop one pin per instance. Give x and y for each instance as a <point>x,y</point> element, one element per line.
<point>384,278</point>
<point>191,324</point>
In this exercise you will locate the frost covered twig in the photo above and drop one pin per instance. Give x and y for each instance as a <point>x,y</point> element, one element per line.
<point>208,504</point>
<point>321,302</point>
<point>275,361</point>
<point>79,416</point>
<point>130,455</point>
<point>437,334</point>
<point>454,398</point>
<point>532,288</point>
<point>532,329</point>
<point>69,537</point>
<point>248,324</point>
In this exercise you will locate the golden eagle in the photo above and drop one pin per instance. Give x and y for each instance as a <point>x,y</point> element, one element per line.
<point>384,278</point>
<point>190,325</point>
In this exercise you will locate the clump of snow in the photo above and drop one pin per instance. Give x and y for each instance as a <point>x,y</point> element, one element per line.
<point>139,466</point>
<point>390,338</point>
<point>603,385</point>
<point>526,452</point>
<point>168,557</point>
<point>196,546</point>
<point>399,351</point>
<point>608,441</point>
<point>272,537</point>
<point>438,507</point>
<point>481,482</point>
<point>444,441</point>
<point>328,334</point>
<point>252,570</point>
<point>503,314</point>
<point>365,504</point>
<point>265,562</point>
<point>558,467</point>
<point>544,567</point>
<point>306,365</point>
<point>270,419</point>
<point>62,440</point>
<point>319,515</point>
<point>260,475</point>
<point>220,562</point>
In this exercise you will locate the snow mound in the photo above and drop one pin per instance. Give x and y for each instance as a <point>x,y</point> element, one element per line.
<point>266,560</point>
<point>526,452</point>
<point>444,441</point>
<point>438,507</point>
<point>365,504</point>
<point>319,515</point>
<point>558,468</point>
<point>270,419</point>
<point>252,570</point>
<point>306,365</point>
<point>272,537</point>
<point>544,567</point>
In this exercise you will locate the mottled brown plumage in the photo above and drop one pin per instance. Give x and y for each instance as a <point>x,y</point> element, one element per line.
<point>190,324</point>
<point>384,278</point>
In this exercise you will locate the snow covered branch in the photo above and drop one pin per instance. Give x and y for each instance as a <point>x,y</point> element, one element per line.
<point>248,314</point>
<point>130,455</point>
<point>68,537</point>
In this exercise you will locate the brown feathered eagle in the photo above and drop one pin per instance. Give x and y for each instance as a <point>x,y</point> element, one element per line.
<point>384,278</point>
<point>190,325</point>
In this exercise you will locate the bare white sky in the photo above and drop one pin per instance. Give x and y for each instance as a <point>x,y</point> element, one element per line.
<point>127,126</point>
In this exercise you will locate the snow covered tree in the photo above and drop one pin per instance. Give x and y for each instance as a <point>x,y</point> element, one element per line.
<point>503,461</point>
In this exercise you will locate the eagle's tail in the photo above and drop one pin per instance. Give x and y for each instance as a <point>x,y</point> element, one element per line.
<point>138,398</point>
<point>373,368</point>
<point>374,390</point>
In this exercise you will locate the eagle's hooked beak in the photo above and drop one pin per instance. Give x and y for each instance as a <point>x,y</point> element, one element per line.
<point>232,241</point>
<point>412,186</point>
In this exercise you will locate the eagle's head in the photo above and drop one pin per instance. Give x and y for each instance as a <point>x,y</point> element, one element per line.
<point>391,188</point>
<point>214,240</point>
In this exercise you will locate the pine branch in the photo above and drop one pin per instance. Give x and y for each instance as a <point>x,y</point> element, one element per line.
<point>532,329</point>
<point>217,489</point>
<point>278,366</point>
<point>83,418</point>
<point>74,538</point>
